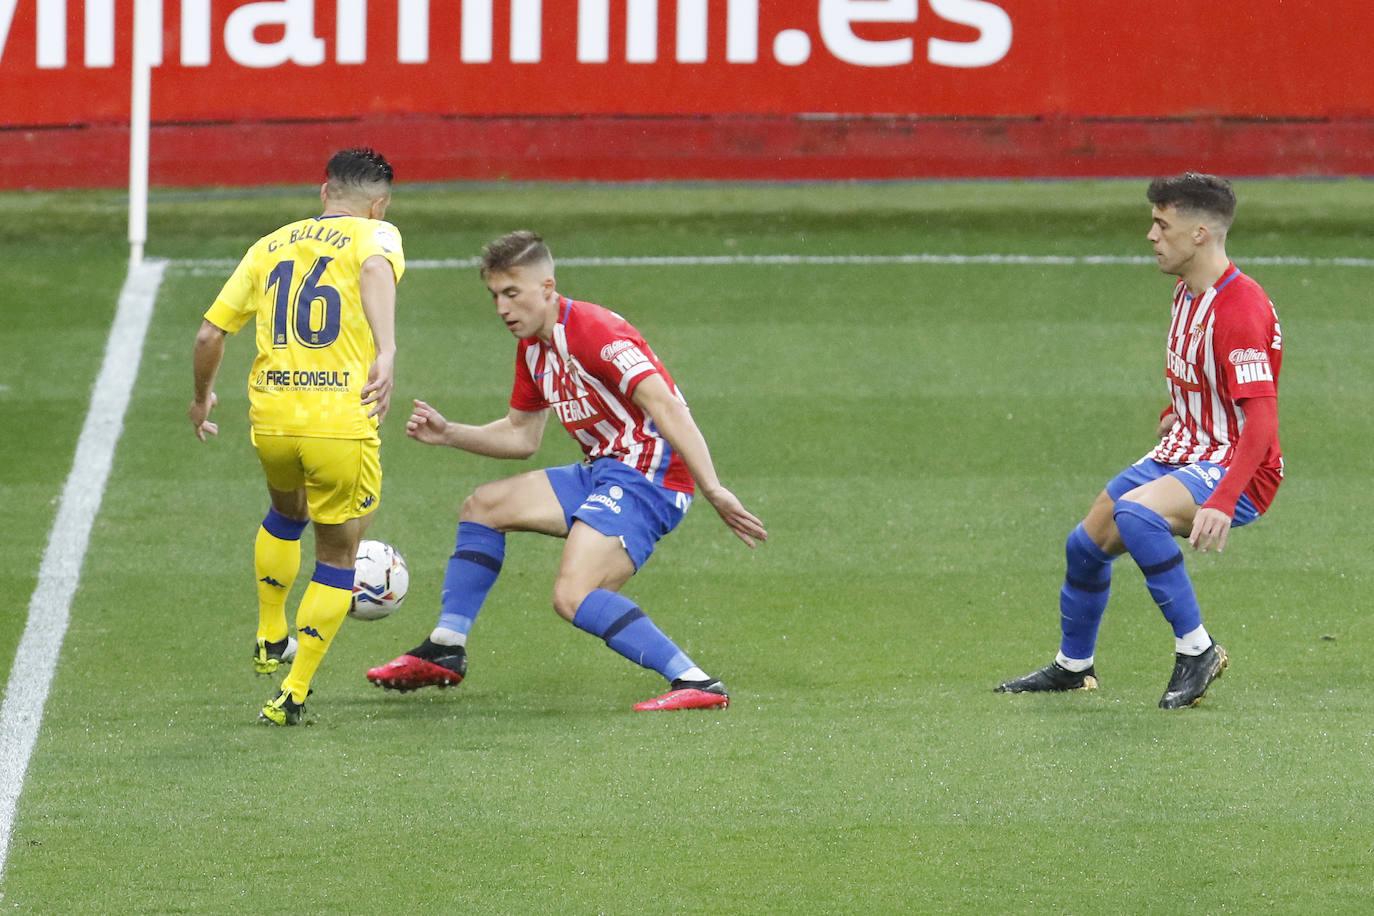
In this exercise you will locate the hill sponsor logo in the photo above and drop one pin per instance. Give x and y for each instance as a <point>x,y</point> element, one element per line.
<point>625,355</point>
<point>1251,365</point>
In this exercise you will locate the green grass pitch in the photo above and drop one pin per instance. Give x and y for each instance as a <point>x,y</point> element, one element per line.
<point>919,439</point>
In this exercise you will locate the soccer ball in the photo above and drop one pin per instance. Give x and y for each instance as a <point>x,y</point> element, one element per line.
<point>380,581</point>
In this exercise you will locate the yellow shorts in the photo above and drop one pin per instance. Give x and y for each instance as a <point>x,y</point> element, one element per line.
<point>342,477</point>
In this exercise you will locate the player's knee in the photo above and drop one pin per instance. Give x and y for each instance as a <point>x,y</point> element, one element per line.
<point>1074,548</point>
<point>481,506</point>
<point>567,598</point>
<point>1133,518</point>
<point>1087,558</point>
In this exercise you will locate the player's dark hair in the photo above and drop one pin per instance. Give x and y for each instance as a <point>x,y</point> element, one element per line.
<point>1196,193</point>
<point>359,167</point>
<point>514,249</point>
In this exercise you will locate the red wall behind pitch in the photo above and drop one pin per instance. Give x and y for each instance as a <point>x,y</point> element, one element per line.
<point>1052,88</point>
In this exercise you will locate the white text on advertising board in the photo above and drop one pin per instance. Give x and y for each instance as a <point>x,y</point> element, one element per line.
<point>296,38</point>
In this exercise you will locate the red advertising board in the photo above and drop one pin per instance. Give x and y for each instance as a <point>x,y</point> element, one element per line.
<point>868,63</point>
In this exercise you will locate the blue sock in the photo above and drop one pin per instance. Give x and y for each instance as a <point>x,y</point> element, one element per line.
<point>472,571</point>
<point>627,630</point>
<point>1087,585</point>
<point>283,528</point>
<point>1147,536</point>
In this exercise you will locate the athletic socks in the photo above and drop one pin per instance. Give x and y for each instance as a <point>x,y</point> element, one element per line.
<point>626,629</point>
<point>1147,536</point>
<point>322,611</point>
<point>276,561</point>
<point>1083,599</point>
<point>1194,643</point>
<point>472,571</point>
<point>443,636</point>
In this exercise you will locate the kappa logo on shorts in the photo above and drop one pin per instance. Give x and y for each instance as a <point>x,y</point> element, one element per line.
<point>367,502</point>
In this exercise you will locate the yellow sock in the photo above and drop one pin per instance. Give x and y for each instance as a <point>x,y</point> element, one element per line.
<point>276,561</point>
<point>321,613</point>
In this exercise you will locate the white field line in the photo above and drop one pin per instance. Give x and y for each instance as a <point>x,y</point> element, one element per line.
<point>216,266</point>
<point>35,660</point>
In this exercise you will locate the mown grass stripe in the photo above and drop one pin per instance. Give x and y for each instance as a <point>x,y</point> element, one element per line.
<point>35,659</point>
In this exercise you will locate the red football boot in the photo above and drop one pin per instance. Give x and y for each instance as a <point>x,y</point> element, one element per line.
<point>428,665</point>
<point>689,695</point>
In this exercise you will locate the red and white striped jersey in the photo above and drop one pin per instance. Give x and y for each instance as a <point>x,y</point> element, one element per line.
<point>588,377</point>
<point>1224,346</point>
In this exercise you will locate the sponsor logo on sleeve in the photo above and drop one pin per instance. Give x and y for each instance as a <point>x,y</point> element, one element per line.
<point>625,355</point>
<point>1251,365</point>
<point>387,239</point>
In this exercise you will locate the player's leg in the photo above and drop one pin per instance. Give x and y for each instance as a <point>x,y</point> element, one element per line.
<point>343,488</point>
<point>525,502</point>
<point>613,533</point>
<point>1149,518</point>
<point>1089,553</point>
<point>325,603</point>
<point>593,569</point>
<point>277,550</point>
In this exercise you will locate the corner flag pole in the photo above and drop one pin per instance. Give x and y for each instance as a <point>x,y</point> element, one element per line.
<point>145,19</point>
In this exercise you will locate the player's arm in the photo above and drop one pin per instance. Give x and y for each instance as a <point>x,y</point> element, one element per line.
<point>675,423</point>
<point>377,287</point>
<point>1167,419</point>
<point>516,435</point>
<point>205,362</point>
<point>1212,524</point>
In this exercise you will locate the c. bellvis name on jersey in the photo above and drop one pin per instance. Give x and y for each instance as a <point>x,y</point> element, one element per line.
<point>315,347</point>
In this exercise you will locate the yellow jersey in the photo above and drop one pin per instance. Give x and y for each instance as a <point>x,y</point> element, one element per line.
<point>315,346</point>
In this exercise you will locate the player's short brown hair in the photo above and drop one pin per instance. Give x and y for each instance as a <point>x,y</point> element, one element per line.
<point>514,249</point>
<point>1196,193</point>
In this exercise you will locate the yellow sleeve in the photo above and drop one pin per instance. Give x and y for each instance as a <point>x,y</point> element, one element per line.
<point>384,239</point>
<point>235,303</point>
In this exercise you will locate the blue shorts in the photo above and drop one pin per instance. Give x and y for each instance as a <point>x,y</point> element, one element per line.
<point>620,502</point>
<point>1200,479</point>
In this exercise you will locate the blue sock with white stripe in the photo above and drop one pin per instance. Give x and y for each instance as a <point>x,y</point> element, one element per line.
<point>627,630</point>
<point>1083,599</point>
<point>472,570</point>
<point>1147,536</point>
